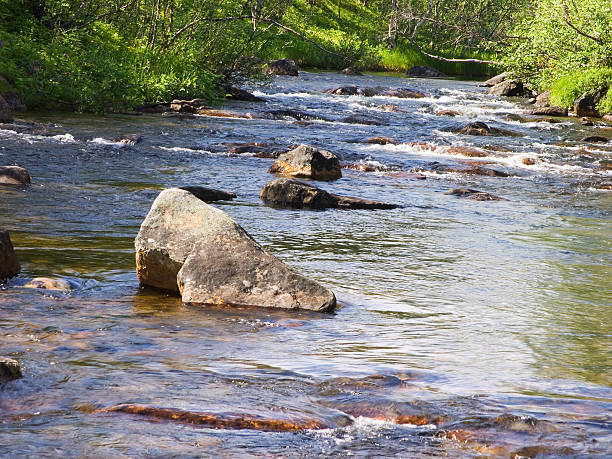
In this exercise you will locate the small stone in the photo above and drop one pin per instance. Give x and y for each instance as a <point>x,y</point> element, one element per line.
<point>527,161</point>
<point>9,370</point>
<point>473,194</point>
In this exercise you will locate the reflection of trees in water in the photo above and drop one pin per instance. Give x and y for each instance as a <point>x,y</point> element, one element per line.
<point>574,303</point>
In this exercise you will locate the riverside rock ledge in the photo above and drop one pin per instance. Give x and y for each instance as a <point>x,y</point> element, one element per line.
<point>189,247</point>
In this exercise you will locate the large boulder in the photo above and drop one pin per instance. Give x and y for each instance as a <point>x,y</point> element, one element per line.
<point>14,176</point>
<point>296,194</point>
<point>189,247</point>
<point>9,265</point>
<point>310,162</point>
<point>495,80</point>
<point>423,71</point>
<point>6,115</point>
<point>586,104</point>
<point>282,67</point>
<point>507,88</point>
<point>9,369</point>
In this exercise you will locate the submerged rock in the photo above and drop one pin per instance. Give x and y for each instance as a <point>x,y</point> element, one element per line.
<point>9,370</point>
<point>9,264</point>
<point>358,119</point>
<point>473,194</point>
<point>343,91</point>
<point>129,139</point>
<point>402,93</point>
<point>48,283</point>
<point>381,141</point>
<point>309,162</point>
<point>595,139</point>
<point>189,247</point>
<point>507,88</point>
<point>448,113</point>
<point>294,114</point>
<point>282,67</point>
<point>476,128</point>
<point>14,176</point>
<point>215,420</point>
<point>296,194</point>
<point>208,194</point>
<point>423,71</point>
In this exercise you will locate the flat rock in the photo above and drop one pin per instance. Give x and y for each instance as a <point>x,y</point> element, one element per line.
<point>473,194</point>
<point>282,67</point>
<point>187,246</point>
<point>208,194</point>
<point>448,113</point>
<point>507,88</point>
<point>9,264</point>
<point>296,194</point>
<point>423,71</point>
<point>309,162</point>
<point>9,369</point>
<point>550,111</point>
<point>381,141</point>
<point>14,176</point>
<point>495,80</point>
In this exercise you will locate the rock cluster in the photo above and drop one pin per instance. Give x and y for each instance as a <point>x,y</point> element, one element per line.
<point>189,247</point>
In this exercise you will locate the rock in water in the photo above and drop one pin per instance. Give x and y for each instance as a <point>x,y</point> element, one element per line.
<point>14,176</point>
<point>307,161</point>
<point>586,104</point>
<point>187,246</point>
<point>209,194</point>
<point>296,194</point>
<point>282,67</point>
<point>508,88</point>
<point>9,265</point>
<point>9,369</point>
<point>495,80</point>
<point>550,111</point>
<point>423,71</point>
<point>351,71</point>
<point>5,111</point>
<point>48,283</point>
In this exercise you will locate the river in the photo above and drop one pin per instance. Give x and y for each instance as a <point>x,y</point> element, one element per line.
<point>465,328</point>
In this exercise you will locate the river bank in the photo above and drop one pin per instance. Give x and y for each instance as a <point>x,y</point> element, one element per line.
<point>465,327</point>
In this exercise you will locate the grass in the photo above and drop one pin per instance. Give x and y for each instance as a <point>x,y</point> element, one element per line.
<point>567,89</point>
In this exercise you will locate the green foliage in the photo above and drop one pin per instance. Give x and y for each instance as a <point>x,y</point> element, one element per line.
<point>562,38</point>
<point>567,89</point>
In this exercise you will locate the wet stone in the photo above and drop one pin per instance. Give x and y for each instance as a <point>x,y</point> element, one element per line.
<point>240,94</point>
<point>357,119</point>
<point>9,370</point>
<point>309,162</point>
<point>475,195</point>
<point>209,194</point>
<point>595,139</point>
<point>351,71</point>
<point>9,264</point>
<point>507,88</point>
<point>47,283</point>
<point>381,141</point>
<point>296,194</point>
<point>495,80</point>
<point>14,176</point>
<point>550,111</point>
<point>448,113</point>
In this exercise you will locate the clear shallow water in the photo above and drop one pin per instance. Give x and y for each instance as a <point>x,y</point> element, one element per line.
<point>491,320</point>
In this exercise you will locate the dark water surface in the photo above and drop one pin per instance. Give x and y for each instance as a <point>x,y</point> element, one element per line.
<point>466,328</point>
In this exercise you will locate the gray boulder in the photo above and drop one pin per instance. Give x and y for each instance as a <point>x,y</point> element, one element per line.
<point>296,194</point>
<point>495,80</point>
<point>423,71</point>
<point>9,370</point>
<point>282,67</point>
<point>507,88</point>
<point>189,247</point>
<point>14,176</point>
<point>310,162</point>
<point>9,265</point>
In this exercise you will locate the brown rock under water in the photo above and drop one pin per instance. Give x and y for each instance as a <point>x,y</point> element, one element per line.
<point>216,421</point>
<point>48,283</point>
<point>381,141</point>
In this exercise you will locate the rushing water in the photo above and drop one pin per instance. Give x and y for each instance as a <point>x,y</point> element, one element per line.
<point>466,328</point>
